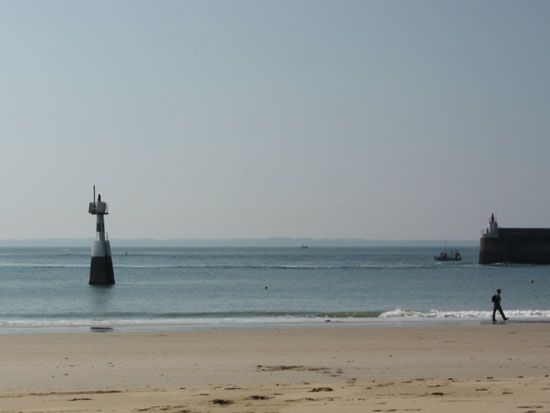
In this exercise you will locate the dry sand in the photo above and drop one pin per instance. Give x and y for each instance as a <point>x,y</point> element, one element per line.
<point>481,368</point>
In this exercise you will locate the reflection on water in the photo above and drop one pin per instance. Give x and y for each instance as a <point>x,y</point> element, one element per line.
<point>100,300</point>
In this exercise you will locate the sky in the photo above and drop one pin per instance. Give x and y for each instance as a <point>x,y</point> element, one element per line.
<point>252,119</point>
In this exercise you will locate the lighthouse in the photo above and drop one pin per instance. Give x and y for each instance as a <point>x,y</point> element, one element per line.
<point>101,267</point>
<point>492,231</point>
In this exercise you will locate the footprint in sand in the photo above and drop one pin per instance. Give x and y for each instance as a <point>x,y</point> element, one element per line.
<point>222,402</point>
<point>167,407</point>
<point>318,389</point>
<point>258,397</point>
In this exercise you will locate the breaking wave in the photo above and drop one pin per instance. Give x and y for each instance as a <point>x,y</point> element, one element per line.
<point>229,319</point>
<point>462,315</point>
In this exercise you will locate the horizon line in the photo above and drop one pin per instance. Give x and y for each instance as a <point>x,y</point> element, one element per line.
<point>237,242</point>
<point>241,239</point>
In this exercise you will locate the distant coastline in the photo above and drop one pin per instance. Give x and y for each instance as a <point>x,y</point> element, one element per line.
<point>237,242</point>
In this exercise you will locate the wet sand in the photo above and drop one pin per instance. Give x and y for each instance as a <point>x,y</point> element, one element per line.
<point>481,368</point>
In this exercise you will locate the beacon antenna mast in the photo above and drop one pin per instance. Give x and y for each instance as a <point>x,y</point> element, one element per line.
<point>101,268</point>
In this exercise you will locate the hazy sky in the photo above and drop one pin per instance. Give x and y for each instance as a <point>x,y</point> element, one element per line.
<point>203,119</point>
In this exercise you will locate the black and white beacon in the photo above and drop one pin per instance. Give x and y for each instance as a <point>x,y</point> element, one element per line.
<point>101,267</point>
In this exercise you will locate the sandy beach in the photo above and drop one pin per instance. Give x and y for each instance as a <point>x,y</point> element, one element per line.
<point>481,368</point>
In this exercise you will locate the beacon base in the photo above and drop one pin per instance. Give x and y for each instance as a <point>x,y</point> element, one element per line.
<point>101,271</point>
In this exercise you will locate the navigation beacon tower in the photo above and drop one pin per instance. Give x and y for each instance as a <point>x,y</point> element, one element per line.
<point>101,268</point>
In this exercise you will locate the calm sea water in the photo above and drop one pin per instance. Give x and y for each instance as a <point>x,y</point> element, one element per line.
<point>191,287</point>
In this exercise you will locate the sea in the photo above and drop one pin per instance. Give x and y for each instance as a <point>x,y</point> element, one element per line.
<point>46,289</point>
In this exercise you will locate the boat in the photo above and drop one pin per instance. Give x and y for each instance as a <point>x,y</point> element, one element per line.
<point>448,255</point>
<point>304,246</point>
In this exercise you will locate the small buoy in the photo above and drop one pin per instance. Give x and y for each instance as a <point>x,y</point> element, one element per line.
<point>266,287</point>
<point>531,280</point>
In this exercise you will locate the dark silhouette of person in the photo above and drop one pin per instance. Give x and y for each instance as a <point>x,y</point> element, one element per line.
<point>497,307</point>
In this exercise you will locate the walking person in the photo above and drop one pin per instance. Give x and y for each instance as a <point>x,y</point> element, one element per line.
<point>497,307</point>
